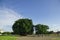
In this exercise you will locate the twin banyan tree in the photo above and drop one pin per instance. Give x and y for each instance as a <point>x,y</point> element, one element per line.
<point>26,27</point>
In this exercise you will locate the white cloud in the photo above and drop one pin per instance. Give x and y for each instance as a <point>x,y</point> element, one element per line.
<point>54,27</point>
<point>7,17</point>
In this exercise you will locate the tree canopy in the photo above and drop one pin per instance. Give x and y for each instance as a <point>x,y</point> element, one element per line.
<point>41,29</point>
<point>23,26</point>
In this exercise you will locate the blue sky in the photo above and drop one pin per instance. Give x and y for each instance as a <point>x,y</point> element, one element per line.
<point>40,11</point>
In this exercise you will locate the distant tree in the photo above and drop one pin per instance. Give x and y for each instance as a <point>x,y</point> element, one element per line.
<point>23,26</point>
<point>58,32</point>
<point>50,32</point>
<point>6,33</point>
<point>41,29</point>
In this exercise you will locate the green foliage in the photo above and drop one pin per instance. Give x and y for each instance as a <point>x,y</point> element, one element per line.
<point>41,29</point>
<point>50,32</point>
<point>6,33</point>
<point>22,26</point>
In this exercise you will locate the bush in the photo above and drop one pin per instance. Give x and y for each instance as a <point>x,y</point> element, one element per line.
<point>6,33</point>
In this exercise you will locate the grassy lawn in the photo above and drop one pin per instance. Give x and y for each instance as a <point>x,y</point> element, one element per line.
<point>29,38</point>
<point>8,38</point>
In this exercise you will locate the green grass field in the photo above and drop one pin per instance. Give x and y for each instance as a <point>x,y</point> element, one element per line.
<point>29,38</point>
<point>8,38</point>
